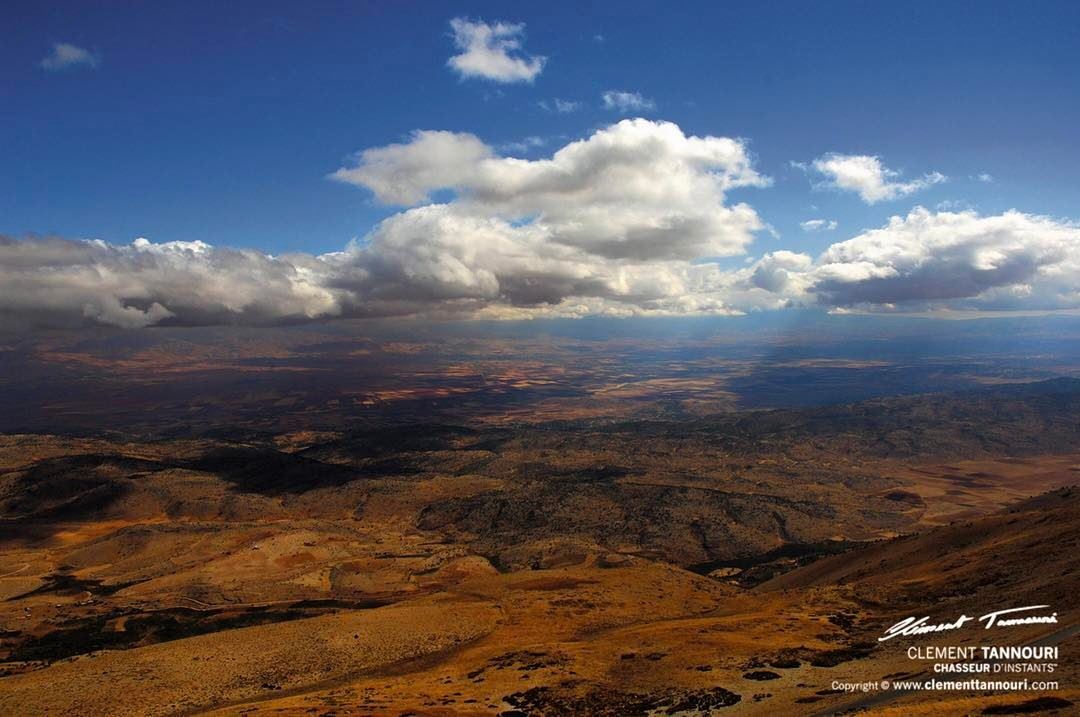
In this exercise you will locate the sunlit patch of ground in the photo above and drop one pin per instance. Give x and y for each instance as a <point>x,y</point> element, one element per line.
<point>967,488</point>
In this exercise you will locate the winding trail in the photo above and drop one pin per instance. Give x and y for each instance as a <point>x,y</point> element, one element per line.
<point>15,572</point>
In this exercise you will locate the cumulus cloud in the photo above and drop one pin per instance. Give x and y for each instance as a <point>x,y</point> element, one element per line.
<point>439,260</point>
<point>614,223</point>
<point>868,177</point>
<point>818,225</point>
<point>626,102</point>
<point>66,56</point>
<point>629,221</point>
<point>405,173</point>
<point>635,190</point>
<point>781,273</point>
<point>493,52</point>
<point>925,261</point>
<point>58,282</point>
<point>955,259</point>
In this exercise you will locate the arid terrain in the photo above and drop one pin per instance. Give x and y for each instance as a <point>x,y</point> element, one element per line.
<point>233,381</point>
<point>734,562</point>
<point>568,359</point>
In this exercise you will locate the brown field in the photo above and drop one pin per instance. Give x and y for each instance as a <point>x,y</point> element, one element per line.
<point>961,490</point>
<point>739,564</point>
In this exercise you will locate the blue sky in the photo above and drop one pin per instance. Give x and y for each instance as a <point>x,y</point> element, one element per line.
<point>220,122</point>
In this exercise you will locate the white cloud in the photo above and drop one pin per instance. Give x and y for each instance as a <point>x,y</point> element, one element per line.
<point>626,102</point>
<point>608,224</point>
<point>635,189</point>
<point>405,173</point>
<point>57,282</point>
<point>493,52</point>
<point>955,259</point>
<point>867,176</point>
<point>953,205</point>
<point>780,272</point>
<point>65,56</point>
<point>442,260</point>
<point>566,106</point>
<point>818,225</point>
<point>560,106</point>
<point>925,261</point>
<point>625,222</point>
<point>984,177</point>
